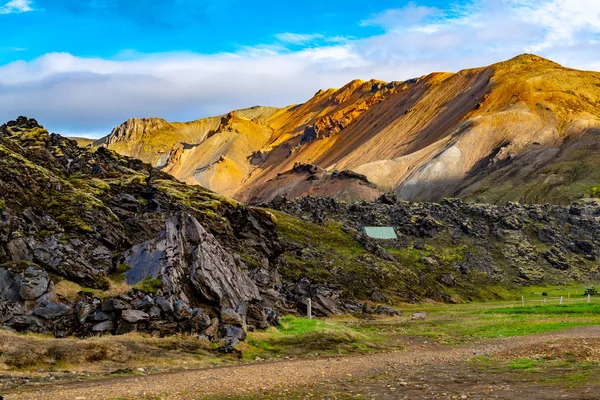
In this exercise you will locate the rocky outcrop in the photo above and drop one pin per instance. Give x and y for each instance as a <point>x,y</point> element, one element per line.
<point>94,218</point>
<point>135,129</point>
<point>191,263</point>
<point>455,243</point>
<point>308,179</point>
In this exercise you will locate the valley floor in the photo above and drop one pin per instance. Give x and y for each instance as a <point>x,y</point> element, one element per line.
<point>507,368</point>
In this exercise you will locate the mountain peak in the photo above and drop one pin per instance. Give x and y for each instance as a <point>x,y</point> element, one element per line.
<point>529,59</point>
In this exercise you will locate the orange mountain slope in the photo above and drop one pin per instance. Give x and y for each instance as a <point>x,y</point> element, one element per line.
<point>526,129</point>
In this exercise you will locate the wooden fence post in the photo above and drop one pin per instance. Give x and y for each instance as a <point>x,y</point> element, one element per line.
<point>523,301</point>
<point>589,298</point>
<point>309,308</point>
<point>544,301</point>
<point>561,299</point>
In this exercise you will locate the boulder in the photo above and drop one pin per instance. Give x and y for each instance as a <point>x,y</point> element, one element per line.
<point>418,316</point>
<point>83,309</point>
<point>34,283</point>
<point>387,310</point>
<point>200,320</point>
<point>106,326</point>
<point>144,303</point>
<point>231,317</point>
<point>182,310</point>
<point>134,316</point>
<point>112,305</point>
<point>51,310</point>
<point>165,305</point>
<point>126,327</point>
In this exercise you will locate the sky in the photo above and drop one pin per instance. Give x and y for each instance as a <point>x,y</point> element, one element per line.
<point>81,67</point>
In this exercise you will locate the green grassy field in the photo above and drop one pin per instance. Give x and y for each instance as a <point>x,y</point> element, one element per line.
<point>447,324</point>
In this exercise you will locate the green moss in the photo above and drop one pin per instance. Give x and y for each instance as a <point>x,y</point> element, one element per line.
<point>120,273</point>
<point>149,285</point>
<point>2,205</point>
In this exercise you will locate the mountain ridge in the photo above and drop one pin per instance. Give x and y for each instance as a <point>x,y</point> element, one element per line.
<point>442,134</point>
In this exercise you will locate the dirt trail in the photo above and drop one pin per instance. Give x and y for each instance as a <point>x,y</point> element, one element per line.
<point>255,378</point>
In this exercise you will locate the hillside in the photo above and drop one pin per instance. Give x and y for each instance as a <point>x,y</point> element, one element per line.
<point>93,242</point>
<point>528,123</point>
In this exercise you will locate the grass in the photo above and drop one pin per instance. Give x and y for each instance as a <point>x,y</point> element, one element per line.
<point>466,323</point>
<point>101,354</point>
<point>70,290</point>
<point>564,373</point>
<point>301,336</point>
<point>149,285</point>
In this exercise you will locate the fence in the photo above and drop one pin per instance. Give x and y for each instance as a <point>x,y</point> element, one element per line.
<point>560,300</point>
<point>539,300</point>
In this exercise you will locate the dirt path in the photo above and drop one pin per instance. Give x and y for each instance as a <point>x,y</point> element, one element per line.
<point>289,375</point>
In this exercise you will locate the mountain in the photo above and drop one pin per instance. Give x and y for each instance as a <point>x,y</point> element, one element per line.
<point>93,242</point>
<point>526,129</point>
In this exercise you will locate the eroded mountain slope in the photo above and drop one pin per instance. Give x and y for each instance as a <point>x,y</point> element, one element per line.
<point>528,123</point>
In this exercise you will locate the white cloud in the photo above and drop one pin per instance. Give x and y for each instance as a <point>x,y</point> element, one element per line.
<point>410,15</point>
<point>298,38</point>
<point>16,6</point>
<point>77,94</point>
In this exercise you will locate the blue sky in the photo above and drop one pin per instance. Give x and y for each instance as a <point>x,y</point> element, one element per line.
<point>83,66</point>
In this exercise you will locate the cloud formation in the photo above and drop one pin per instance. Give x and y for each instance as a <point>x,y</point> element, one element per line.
<point>16,6</point>
<point>78,95</point>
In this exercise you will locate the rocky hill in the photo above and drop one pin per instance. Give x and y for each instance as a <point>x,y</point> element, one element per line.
<point>450,251</point>
<point>526,130</point>
<point>93,242</point>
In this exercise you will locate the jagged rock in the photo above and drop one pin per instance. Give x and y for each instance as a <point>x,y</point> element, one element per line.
<point>134,316</point>
<point>200,320</point>
<point>34,283</point>
<point>377,296</point>
<point>9,289</point>
<point>112,305</point>
<point>83,309</point>
<point>257,317</point>
<point>182,310</point>
<point>50,310</point>
<point>229,316</point>
<point>101,316</point>
<point>24,323</point>
<point>387,310</point>
<point>84,231</point>
<point>557,259</point>
<point>144,303</point>
<point>184,248</point>
<point>165,305</point>
<point>326,301</point>
<point>212,332</point>
<point>155,313</point>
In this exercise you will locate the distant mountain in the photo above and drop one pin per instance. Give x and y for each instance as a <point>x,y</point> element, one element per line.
<point>526,129</point>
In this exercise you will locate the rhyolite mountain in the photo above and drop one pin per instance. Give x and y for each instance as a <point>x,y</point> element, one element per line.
<point>526,130</point>
<point>94,242</point>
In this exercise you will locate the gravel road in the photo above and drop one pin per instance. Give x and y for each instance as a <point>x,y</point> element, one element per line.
<point>257,377</point>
